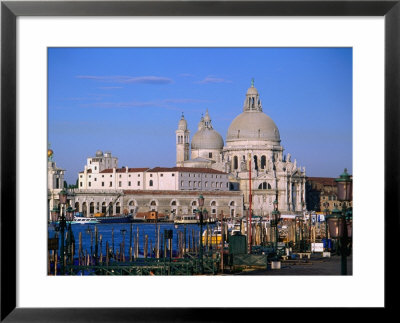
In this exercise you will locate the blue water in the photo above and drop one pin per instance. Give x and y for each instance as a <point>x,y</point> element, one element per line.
<point>105,230</point>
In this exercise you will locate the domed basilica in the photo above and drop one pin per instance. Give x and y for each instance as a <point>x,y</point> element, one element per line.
<point>252,154</point>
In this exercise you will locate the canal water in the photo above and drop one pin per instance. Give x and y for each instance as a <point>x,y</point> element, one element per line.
<point>122,233</point>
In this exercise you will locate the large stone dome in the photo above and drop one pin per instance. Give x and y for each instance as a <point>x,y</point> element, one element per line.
<point>253,126</point>
<point>207,139</point>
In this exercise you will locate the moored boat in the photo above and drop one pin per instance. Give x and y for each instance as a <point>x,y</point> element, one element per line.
<point>116,219</point>
<point>83,220</point>
<point>186,219</point>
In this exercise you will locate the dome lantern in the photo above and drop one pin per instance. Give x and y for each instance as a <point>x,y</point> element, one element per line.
<point>252,101</point>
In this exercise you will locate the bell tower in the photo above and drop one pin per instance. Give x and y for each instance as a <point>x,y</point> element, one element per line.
<point>182,142</point>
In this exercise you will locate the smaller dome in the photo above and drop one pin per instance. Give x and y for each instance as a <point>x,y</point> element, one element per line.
<point>207,139</point>
<point>182,125</point>
<point>99,153</point>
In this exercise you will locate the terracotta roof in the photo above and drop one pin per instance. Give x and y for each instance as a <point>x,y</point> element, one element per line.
<point>89,171</point>
<point>123,170</point>
<point>323,180</point>
<point>186,170</point>
<point>185,193</point>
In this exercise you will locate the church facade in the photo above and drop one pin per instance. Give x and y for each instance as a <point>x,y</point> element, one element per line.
<point>251,159</point>
<point>252,155</point>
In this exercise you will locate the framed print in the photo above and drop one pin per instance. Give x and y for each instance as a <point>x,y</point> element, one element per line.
<point>42,42</point>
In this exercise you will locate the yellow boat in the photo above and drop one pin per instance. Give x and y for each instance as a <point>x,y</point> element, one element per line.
<point>213,237</point>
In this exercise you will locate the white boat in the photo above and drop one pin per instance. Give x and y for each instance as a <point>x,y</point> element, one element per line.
<point>83,220</point>
<point>186,219</point>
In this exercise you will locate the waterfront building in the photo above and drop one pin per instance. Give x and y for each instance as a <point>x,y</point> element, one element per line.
<point>55,180</point>
<point>252,139</point>
<point>170,191</point>
<point>322,190</point>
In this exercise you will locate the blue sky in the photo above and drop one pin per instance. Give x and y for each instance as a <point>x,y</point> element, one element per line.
<point>129,101</point>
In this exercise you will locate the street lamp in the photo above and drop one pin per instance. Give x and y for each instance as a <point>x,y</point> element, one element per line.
<point>326,205</point>
<point>340,222</point>
<point>205,217</point>
<point>201,204</point>
<point>274,223</point>
<point>60,215</point>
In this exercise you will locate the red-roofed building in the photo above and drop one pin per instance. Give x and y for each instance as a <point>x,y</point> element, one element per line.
<point>320,190</point>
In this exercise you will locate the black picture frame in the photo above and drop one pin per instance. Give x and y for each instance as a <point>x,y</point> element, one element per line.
<point>10,10</point>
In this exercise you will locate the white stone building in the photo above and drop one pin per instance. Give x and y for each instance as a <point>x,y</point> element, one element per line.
<point>168,190</point>
<point>252,138</point>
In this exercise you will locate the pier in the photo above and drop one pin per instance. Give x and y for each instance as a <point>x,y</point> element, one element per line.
<point>168,249</point>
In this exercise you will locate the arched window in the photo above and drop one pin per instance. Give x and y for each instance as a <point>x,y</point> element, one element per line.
<point>103,207</point>
<point>263,162</point>
<point>91,209</point>
<point>232,203</point>
<point>173,203</point>
<point>235,162</point>
<point>264,186</point>
<point>118,208</point>
<point>194,203</point>
<point>153,203</point>
<point>255,162</point>
<point>84,208</point>
<point>131,203</point>
<point>213,203</point>
<point>151,183</point>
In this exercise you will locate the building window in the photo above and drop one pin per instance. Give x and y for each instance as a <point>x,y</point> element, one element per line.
<point>138,183</point>
<point>138,175</point>
<point>110,184</point>
<point>90,184</point>
<point>151,183</point>
<point>173,174</point>
<point>129,175</point>
<point>102,175</point>
<point>161,175</point>
<point>181,183</point>
<point>102,183</point>
<point>80,184</point>
<point>95,179</point>
<point>119,175</point>
<point>129,183</point>
<point>110,175</point>
<point>209,155</point>
<point>80,176</point>
<point>190,183</point>
<point>205,184</point>
<point>95,167</point>
<point>151,175</point>
<point>235,163</point>
<point>90,176</point>
<point>119,184</point>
